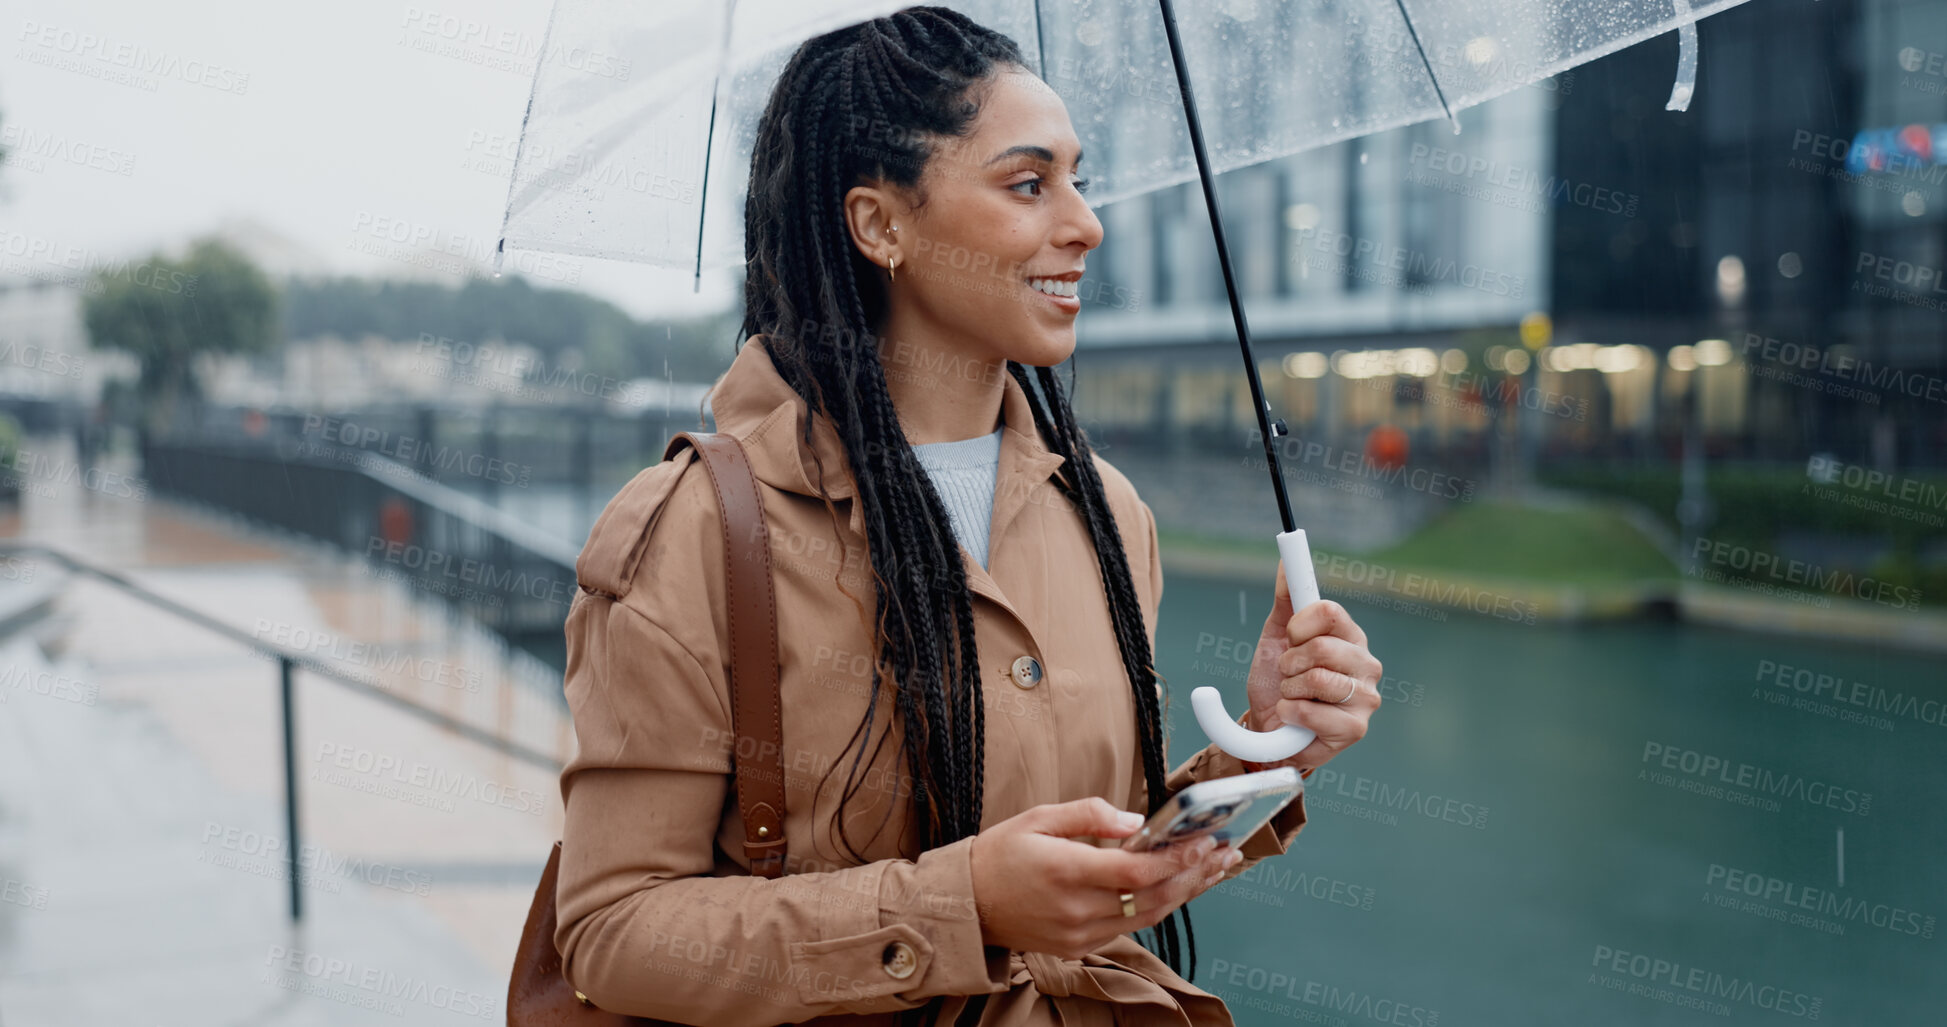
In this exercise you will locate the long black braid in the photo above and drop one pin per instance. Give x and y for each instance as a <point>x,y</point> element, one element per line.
<point>869,103</point>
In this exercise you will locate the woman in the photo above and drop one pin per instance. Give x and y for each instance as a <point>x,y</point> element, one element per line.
<point>970,723</point>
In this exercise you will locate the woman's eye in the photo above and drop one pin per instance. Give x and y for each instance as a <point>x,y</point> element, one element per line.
<point>1034,184</point>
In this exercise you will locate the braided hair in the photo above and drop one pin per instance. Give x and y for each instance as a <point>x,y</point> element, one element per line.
<point>871,102</point>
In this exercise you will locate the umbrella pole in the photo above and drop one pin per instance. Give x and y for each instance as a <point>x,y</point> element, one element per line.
<point>1294,551</point>
<point>703,200</point>
<point>1270,431</point>
<point>710,138</point>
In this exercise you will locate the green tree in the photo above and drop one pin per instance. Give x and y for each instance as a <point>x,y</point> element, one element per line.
<point>167,312</point>
<point>568,328</point>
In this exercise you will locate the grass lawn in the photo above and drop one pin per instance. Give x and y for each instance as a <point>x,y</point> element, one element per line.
<point>1587,545</point>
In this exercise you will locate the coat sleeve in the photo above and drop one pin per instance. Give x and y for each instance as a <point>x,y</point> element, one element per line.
<point>1276,836</point>
<point>646,929</point>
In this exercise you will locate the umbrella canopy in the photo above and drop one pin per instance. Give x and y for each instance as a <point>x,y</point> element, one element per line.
<point>638,133</point>
<point>616,164</point>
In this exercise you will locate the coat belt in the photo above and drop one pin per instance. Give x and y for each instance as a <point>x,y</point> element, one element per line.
<point>1052,975</point>
<point>1109,987</point>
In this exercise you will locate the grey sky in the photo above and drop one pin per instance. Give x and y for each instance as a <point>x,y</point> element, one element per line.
<point>324,124</point>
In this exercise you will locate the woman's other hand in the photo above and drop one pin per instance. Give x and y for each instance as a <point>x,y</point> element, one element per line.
<point>1039,890</point>
<point>1307,661</point>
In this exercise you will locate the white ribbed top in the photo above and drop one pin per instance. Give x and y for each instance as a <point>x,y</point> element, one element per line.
<point>963,472</point>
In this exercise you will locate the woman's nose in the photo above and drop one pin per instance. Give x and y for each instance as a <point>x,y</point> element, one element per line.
<point>1079,224</point>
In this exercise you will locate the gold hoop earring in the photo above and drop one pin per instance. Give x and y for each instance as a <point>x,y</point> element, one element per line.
<point>892,270</point>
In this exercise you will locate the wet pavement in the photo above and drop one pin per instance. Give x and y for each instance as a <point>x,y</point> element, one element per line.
<point>142,840</point>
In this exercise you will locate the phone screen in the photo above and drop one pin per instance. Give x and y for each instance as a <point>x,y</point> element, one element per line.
<point>1229,813</point>
<point>1229,821</point>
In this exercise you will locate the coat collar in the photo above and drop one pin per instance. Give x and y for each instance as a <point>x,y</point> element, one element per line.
<point>754,403</point>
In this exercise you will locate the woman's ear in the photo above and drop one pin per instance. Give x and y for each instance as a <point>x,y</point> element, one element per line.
<point>869,217</point>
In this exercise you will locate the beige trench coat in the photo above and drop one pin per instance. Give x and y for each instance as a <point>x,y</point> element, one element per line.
<point>656,916</point>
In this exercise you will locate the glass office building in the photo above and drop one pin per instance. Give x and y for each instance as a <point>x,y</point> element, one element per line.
<point>1763,271</point>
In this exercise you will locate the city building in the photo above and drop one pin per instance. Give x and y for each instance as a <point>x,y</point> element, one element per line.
<point>1763,270</point>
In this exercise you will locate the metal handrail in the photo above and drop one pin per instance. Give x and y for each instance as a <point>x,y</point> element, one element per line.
<point>338,499</point>
<point>288,660</point>
<point>470,509</point>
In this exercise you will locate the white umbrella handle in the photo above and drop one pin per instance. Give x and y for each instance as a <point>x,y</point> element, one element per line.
<point>1208,703</point>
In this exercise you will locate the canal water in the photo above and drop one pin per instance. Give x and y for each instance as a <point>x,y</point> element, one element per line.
<point>1624,824</point>
<point>1606,824</point>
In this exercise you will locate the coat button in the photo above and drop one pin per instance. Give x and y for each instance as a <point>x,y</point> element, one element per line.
<point>900,960</point>
<point>1027,672</point>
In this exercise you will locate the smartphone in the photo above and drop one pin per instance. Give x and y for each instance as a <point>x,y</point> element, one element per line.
<point>1231,808</point>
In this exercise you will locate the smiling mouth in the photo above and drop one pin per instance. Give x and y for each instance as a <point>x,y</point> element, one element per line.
<point>1056,287</point>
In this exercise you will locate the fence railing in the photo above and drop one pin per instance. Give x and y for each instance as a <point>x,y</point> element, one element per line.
<point>289,661</point>
<point>506,574</point>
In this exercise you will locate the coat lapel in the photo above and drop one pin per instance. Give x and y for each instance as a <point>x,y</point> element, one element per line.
<point>753,402</point>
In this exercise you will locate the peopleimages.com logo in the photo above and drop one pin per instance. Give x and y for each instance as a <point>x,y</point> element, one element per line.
<point>1696,987</point>
<point>1784,678</point>
<point>1758,563</point>
<point>1711,770</point>
<point>1805,905</point>
<point>1918,285</point>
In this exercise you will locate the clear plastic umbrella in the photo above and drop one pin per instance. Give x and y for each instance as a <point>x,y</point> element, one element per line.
<point>633,102</point>
<point>637,110</point>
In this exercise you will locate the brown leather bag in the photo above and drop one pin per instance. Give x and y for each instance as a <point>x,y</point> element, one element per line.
<point>538,995</point>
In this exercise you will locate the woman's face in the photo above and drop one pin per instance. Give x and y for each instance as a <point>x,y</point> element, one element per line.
<point>992,261</point>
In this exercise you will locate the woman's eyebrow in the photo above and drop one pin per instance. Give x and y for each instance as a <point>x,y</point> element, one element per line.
<point>1040,153</point>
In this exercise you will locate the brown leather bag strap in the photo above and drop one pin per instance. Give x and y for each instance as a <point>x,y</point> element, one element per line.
<point>756,718</point>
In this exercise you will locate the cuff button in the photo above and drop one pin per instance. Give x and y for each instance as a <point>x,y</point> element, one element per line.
<point>900,960</point>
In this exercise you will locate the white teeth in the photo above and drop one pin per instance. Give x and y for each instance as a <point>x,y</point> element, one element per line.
<point>1053,286</point>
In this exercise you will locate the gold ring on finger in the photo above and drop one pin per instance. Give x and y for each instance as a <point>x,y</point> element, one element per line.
<point>1128,903</point>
